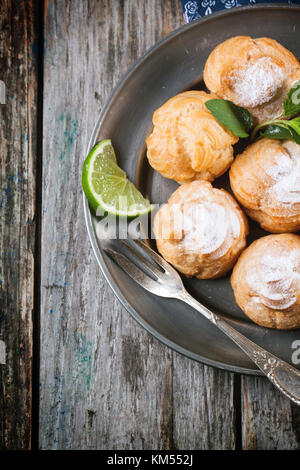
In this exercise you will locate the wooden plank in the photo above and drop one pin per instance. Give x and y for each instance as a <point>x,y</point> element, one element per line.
<point>18,150</point>
<point>204,410</point>
<point>270,420</point>
<point>105,382</point>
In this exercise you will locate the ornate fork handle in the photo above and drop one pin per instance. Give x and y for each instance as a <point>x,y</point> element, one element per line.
<point>285,377</point>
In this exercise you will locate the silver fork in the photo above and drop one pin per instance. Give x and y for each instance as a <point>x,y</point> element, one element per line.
<point>160,278</point>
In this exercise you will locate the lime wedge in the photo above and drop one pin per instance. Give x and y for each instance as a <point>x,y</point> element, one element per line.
<point>106,185</point>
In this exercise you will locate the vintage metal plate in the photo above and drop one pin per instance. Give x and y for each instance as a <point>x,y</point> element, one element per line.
<point>175,64</point>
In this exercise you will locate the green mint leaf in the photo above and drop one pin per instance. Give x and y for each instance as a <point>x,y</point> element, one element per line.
<point>291,105</point>
<point>282,132</point>
<point>238,120</point>
<point>276,132</point>
<point>295,124</point>
<point>294,127</point>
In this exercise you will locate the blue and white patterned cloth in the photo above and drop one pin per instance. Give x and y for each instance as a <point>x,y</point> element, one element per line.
<point>193,9</point>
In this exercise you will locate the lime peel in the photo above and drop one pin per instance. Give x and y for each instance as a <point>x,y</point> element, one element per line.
<point>106,185</point>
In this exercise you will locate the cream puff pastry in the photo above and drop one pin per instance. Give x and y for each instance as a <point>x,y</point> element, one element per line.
<point>256,74</point>
<point>187,143</point>
<point>266,281</point>
<point>265,179</point>
<point>201,230</point>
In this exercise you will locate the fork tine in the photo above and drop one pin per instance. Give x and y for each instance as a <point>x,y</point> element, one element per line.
<point>152,268</point>
<point>156,257</point>
<point>130,268</point>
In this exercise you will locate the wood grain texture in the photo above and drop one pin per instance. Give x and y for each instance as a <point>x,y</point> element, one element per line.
<point>204,414</point>
<point>18,71</point>
<point>270,420</point>
<point>105,382</point>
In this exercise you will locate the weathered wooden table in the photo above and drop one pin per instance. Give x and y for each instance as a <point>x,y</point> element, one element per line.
<point>104,383</point>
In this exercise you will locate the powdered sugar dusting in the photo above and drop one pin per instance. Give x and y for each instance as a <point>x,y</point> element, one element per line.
<point>209,228</point>
<point>286,179</point>
<point>275,279</point>
<point>258,83</point>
